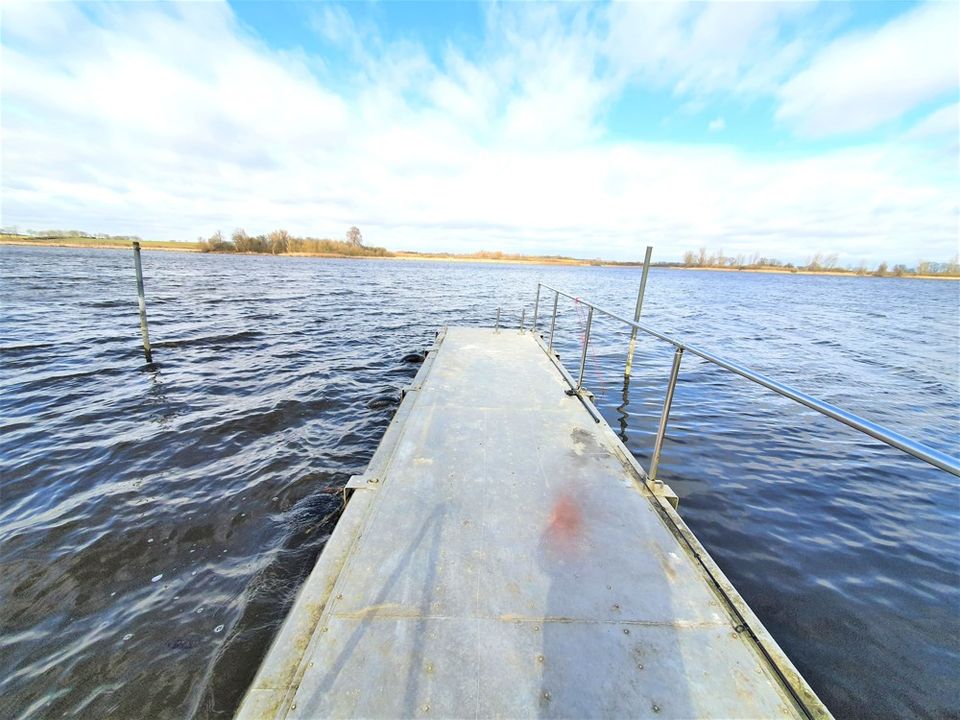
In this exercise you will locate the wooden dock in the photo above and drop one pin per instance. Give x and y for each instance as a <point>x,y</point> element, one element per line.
<point>505,556</point>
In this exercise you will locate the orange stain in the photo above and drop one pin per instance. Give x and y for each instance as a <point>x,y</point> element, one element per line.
<point>565,518</point>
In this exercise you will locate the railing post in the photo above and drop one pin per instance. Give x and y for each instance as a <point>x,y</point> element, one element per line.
<point>523,319</point>
<point>497,326</point>
<point>147,353</point>
<point>665,416</point>
<point>636,313</point>
<point>583,355</point>
<point>553,321</point>
<point>536,310</point>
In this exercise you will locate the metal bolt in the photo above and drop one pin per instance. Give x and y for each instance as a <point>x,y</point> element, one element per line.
<point>539,658</point>
<point>626,631</point>
<point>546,694</point>
<point>656,708</point>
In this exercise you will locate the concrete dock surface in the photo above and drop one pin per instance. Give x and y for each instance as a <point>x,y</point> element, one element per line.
<point>503,556</point>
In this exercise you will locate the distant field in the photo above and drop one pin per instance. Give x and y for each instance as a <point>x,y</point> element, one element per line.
<point>95,242</point>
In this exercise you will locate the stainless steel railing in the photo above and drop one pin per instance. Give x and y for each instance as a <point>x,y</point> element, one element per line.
<point>894,439</point>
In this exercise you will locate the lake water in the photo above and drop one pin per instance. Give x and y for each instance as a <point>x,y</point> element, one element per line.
<point>156,523</point>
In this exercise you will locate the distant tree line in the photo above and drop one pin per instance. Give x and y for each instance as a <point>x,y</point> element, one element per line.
<point>819,262</point>
<point>280,242</point>
<point>56,234</point>
<point>499,255</point>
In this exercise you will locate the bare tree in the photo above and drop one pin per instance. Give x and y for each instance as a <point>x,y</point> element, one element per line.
<point>242,241</point>
<point>278,240</point>
<point>354,237</point>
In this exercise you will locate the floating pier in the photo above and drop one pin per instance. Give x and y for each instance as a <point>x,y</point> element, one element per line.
<point>505,556</point>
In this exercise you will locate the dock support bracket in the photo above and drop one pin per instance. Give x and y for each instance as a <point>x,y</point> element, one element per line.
<point>359,482</point>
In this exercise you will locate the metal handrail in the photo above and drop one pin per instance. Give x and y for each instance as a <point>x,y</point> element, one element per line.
<point>894,439</point>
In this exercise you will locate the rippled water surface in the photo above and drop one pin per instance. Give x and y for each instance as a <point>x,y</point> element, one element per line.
<point>156,522</point>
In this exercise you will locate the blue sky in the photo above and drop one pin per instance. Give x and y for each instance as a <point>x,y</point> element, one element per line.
<point>783,129</point>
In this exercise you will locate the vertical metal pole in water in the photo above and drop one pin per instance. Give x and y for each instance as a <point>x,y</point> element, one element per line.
<point>536,309</point>
<point>143,304</point>
<point>523,319</point>
<point>665,416</point>
<point>583,355</point>
<point>553,322</point>
<point>636,312</point>
<point>497,328</point>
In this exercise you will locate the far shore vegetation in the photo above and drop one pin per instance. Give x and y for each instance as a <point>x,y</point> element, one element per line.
<point>817,263</point>
<point>281,242</point>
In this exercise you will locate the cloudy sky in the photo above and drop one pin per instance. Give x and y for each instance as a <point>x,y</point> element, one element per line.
<point>588,130</point>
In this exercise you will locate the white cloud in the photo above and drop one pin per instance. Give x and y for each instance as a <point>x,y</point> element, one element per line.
<point>716,125</point>
<point>698,50</point>
<point>172,121</point>
<point>868,78</point>
<point>942,123</point>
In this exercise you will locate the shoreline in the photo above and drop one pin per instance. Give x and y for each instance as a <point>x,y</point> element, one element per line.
<point>168,246</point>
<point>172,246</point>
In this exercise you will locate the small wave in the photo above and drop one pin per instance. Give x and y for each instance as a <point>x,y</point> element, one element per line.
<point>207,340</point>
<point>383,402</point>
<point>285,414</point>
<point>23,349</point>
